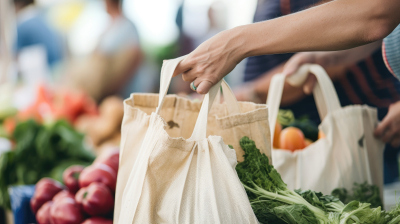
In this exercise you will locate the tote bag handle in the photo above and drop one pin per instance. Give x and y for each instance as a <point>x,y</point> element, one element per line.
<point>200,129</point>
<point>324,92</point>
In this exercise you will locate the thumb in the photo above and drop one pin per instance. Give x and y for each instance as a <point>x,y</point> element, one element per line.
<point>182,67</point>
<point>292,65</point>
<point>379,131</point>
<point>204,87</point>
<point>309,85</point>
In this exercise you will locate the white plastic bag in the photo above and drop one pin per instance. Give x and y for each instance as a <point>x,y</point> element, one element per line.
<point>348,154</point>
<point>177,180</point>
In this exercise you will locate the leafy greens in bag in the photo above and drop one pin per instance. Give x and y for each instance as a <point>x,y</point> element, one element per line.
<point>273,202</point>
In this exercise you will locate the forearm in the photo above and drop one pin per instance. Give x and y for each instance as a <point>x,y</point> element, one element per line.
<point>346,57</point>
<point>336,25</point>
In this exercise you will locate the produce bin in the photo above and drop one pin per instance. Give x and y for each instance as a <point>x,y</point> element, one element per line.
<point>20,197</point>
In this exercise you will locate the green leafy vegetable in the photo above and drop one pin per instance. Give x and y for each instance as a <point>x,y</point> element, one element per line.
<point>285,117</point>
<point>273,202</point>
<point>361,192</point>
<point>40,151</point>
<point>263,182</point>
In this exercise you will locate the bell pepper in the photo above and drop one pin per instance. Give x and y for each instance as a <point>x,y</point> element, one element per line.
<point>63,194</point>
<point>98,173</point>
<point>96,199</point>
<point>71,177</point>
<point>111,158</point>
<point>43,214</point>
<point>45,190</point>
<point>97,220</point>
<point>66,211</point>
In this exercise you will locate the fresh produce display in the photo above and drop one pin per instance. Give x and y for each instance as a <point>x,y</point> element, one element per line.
<point>41,150</point>
<point>104,128</point>
<point>43,214</point>
<point>96,199</point>
<point>66,211</point>
<point>71,177</point>
<point>361,192</point>
<point>294,134</point>
<point>55,104</point>
<point>92,203</point>
<point>98,173</point>
<point>273,202</point>
<point>45,190</point>
<point>63,194</point>
<point>97,220</point>
<point>110,158</point>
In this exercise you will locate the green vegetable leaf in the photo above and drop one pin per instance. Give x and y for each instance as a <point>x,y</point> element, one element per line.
<point>296,214</point>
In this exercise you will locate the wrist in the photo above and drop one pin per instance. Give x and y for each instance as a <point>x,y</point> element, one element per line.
<point>240,43</point>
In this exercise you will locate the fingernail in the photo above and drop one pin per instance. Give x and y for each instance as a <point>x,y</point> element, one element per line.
<point>200,90</point>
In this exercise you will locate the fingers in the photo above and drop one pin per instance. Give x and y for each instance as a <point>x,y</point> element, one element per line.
<point>204,87</point>
<point>395,142</point>
<point>382,127</point>
<point>292,66</point>
<point>388,134</point>
<point>309,84</point>
<point>184,66</point>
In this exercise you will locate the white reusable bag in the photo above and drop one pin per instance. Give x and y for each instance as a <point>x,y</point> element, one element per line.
<point>177,180</point>
<point>348,154</point>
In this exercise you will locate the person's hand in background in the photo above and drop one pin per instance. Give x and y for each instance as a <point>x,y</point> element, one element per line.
<point>334,62</point>
<point>389,129</point>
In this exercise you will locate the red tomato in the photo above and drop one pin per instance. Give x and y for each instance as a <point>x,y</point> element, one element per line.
<point>71,177</point>
<point>97,220</point>
<point>110,158</point>
<point>96,199</point>
<point>43,214</point>
<point>66,211</point>
<point>45,190</point>
<point>63,194</point>
<point>98,173</point>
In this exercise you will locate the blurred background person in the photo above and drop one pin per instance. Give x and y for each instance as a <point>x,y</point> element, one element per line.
<point>216,17</point>
<point>362,81</point>
<point>112,66</point>
<point>34,30</point>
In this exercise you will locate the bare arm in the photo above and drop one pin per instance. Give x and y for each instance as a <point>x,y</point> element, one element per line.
<point>334,62</point>
<point>337,25</point>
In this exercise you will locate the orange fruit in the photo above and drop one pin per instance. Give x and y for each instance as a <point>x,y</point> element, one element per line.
<point>321,134</point>
<point>307,142</point>
<point>292,138</point>
<point>277,134</point>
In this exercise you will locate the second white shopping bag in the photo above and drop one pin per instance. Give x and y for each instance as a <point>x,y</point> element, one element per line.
<point>349,154</point>
<point>177,180</point>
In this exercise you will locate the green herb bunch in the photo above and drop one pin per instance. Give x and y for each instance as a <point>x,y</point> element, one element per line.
<point>40,151</point>
<point>273,202</point>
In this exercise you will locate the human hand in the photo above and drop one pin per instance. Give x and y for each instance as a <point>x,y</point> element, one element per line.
<point>296,62</point>
<point>211,61</point>
<point>389,129</point>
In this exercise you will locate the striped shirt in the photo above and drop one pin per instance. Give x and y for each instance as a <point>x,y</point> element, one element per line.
<point>391,51</point>
<point>367,82</point>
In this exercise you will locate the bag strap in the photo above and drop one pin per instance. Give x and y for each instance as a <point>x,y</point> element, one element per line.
<point>324,92</point>
<point>229,97</point>
<point>167,71</point>
<point>200,128</point>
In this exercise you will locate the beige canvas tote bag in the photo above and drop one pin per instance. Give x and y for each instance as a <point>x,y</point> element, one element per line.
<point>167,177</point>
<point>349,153</point>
